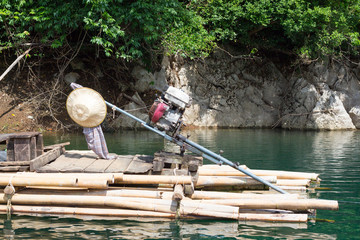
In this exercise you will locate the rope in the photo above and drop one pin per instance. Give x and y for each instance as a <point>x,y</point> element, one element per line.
<point>9,192</point>
<point>113,109</point>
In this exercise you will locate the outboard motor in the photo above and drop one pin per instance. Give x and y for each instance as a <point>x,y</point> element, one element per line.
<point>167,110</point>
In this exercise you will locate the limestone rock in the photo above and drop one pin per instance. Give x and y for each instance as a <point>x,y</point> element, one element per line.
<point>355,115</point>
<point>71,77</point>
<point>146,80</point>
<point>135,109</point>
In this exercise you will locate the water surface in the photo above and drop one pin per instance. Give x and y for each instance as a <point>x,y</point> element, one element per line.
<point>334,155</point>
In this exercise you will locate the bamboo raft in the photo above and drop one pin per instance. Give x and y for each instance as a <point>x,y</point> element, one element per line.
<point>51,180</point>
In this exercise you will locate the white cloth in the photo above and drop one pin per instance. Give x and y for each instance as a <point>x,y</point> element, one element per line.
<point>95,137</point>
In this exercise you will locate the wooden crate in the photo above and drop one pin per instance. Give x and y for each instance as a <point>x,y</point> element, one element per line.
<point>23,146</point>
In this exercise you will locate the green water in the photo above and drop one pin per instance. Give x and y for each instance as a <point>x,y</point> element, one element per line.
<point>334,155</point>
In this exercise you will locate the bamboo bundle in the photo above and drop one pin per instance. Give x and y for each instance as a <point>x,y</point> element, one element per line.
<point>152,193</point>
<point>230,195</point>
<point>287,204</point>
<point>157,205</point>
<point>96,201</point>
<point>111,212</point>
<point>230,181</point>
<point>229,171</point>
<point>187,207</point>
<point>85,211</point>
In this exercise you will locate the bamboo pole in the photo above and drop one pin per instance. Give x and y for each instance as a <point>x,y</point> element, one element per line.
<point>153,179</point>
<point>230,181</point>
<point>19,181</point>
<point>273,217</point>
<point>107,192</point>
<point>85,211</point>
<point>203,171</point>
<point>230,195</point>
<point>110,177</point>
<point>294,188</point>
<point>185,210</point>
<point>287,204</point>
<point>292,182</point>
<point>220,167</point>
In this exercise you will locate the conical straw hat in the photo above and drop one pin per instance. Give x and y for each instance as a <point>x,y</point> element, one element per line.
<point>86,107</point>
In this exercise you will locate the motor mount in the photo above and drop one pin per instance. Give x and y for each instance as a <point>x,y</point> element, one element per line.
<point>167,111</point>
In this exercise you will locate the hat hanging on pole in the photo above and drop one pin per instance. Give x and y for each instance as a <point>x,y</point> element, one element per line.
<point>86,107</point>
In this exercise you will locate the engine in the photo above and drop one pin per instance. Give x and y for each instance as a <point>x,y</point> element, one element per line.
<point>167,110</point>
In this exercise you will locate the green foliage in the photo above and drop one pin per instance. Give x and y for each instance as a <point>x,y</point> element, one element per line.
<point>142,29</point>
<point>309,28</point>
<point>127,29</point>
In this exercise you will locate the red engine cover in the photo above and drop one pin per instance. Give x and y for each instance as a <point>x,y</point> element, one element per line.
<point>157,111</point>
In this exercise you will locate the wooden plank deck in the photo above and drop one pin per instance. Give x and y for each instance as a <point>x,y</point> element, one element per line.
<point>88,162</point>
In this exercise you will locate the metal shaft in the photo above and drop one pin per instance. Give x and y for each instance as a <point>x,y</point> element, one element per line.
<point>230,163</point>
<point>196,148</point>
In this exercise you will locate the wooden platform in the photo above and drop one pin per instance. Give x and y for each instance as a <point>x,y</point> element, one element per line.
<point>86,161</point>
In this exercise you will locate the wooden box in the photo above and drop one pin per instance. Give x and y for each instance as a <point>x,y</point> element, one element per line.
<point>23,146</point>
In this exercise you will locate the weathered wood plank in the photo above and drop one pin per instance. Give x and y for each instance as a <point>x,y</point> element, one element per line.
<point>80,164</point>
<point>24,134</point>
<point>10,169</point>
<point>158,166</point>
<point>44,159</point>
<point>168,157</point>
<point>64,160</point>
<point>98,166</point>
<point>120,164</point>
<point>39,145</point>
<point>140,164</point>
<point>14,163</point>
<point>22,149</point>
<point>32,147</point>
<point>4,137</point>
<point>49,147</point>
<point>10,150</point>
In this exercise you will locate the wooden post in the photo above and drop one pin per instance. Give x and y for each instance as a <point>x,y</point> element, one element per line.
<point>178,193</point>
<point>39,145</point>
<point>10,150</point>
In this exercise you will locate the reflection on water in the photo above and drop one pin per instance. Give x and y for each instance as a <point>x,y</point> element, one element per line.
<point>334,155</point>
<point>50,227</point>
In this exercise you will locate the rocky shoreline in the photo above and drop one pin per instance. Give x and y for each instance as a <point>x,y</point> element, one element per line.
<point>254,93</point>
<point>227,92</point>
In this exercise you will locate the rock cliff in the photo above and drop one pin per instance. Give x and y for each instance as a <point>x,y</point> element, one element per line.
<point>230,91</point>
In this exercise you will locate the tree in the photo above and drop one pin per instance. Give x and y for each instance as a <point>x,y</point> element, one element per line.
<point>127,29</point>
<point>306,28</point>
<point>142,29</point>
